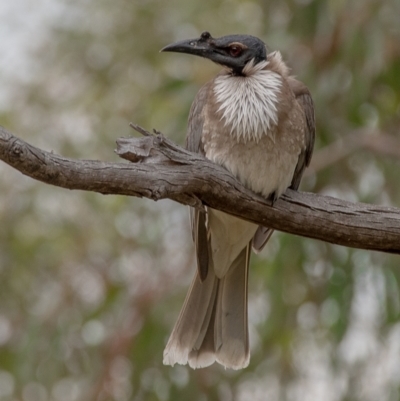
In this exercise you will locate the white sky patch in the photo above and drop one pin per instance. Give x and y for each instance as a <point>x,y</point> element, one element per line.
<point>24,27</point>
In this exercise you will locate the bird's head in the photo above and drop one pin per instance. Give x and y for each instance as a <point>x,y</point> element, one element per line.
<point>232,51</point>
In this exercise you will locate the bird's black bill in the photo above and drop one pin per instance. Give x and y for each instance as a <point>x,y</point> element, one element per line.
<point>198,47</point>
<point>187,46</point>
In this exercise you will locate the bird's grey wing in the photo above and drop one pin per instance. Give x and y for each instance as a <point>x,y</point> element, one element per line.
<point>196,121</point>
<point>194,144</point>
<point>304,99</point>
<point>261,237</point>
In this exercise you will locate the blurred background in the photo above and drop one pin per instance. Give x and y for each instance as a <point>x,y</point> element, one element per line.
<point>91,285</point>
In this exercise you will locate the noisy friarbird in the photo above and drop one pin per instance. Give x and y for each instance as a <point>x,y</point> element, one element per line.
<point>257,121</point>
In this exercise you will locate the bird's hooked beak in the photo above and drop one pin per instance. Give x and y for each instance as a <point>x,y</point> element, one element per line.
<point>202,46</point>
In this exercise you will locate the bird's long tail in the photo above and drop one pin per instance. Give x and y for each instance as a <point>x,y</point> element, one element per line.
<point>212,325</point>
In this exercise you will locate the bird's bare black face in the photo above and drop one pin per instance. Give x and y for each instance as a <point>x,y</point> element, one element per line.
<point>232,51</point>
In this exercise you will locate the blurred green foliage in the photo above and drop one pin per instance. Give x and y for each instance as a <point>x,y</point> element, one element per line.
<point>90,285</point>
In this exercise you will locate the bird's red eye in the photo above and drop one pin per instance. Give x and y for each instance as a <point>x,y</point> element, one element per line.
<point>235,51</point>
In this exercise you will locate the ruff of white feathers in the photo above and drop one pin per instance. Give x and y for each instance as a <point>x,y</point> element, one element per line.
<point>249,103</point>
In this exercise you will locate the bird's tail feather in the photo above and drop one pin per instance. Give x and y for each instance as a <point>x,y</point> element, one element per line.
<point>231,325</point>
<point>212,325</point>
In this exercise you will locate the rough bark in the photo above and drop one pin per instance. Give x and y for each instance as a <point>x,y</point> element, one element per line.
<point>159,169</point>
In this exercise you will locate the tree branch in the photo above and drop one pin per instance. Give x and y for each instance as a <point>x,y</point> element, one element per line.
<point>160,169</point>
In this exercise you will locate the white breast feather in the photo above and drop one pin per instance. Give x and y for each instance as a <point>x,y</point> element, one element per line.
<point>248,103</point>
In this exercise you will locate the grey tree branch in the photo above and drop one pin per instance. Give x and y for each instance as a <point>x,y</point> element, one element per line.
<point>159,169</point>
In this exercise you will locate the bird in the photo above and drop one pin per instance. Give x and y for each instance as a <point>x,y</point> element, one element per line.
<point>257,121</point>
